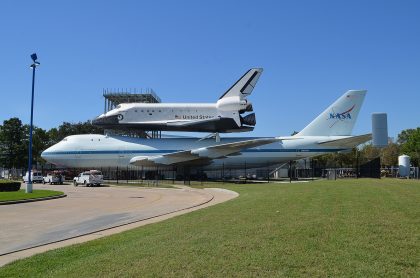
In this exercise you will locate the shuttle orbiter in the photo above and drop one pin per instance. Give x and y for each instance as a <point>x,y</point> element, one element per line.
<point>226,115</point>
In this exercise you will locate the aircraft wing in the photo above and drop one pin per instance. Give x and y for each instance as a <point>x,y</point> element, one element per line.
<point>349,142</point>
<point>208,125</point>
<point>203,153</point>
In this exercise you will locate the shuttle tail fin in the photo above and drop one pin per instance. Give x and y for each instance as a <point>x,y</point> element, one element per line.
<point>244,86</point>
<point>339,118</point>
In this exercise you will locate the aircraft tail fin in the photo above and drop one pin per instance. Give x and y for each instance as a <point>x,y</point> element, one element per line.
<point>339,118</point>
<point>244,86</point>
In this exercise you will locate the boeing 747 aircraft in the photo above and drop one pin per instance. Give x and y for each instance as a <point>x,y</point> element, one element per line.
<point>226,115</point>
<point>329,132</point>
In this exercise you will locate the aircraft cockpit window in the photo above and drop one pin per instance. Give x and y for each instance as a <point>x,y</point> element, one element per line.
<point>118,106</point>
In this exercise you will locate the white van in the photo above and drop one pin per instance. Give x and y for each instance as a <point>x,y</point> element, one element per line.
<point>35,177</point>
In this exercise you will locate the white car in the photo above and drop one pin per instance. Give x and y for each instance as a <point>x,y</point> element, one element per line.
<point>35,177</point>
<point>53,178</point>
<point>88,178</point>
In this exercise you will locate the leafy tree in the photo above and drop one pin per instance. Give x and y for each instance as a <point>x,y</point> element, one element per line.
<point>410,144</point>
<point>12,144</point>
<point>53,136</point>
<point>404,136</point>
<point>40,142</point>
<point>389,154</point>
<point>337,160</point>
<point>368,152</point>
<point>67,129</point>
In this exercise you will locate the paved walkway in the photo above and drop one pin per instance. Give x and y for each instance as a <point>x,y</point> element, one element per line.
<point>92,212</point>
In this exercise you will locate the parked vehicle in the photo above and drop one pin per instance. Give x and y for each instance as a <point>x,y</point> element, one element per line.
<point>53,178</point>
<point>35,177</point>
<point>89,178</point>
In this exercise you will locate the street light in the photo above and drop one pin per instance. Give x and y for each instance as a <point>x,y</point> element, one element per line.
<point>33,66</point>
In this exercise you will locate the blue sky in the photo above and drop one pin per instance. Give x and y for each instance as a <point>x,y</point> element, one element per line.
<point>192,51</point>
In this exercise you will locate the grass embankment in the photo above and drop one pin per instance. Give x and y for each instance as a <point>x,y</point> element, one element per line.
<point>350,228</point>
<point>21,195</point>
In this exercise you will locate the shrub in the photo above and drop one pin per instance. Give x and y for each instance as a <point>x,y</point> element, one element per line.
<point>8,185</point>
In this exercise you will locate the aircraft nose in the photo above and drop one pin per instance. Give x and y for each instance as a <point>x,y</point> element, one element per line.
<point>45,154</point>
<point>107,120</point>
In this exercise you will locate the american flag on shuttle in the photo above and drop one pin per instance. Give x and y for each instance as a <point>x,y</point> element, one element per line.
<point>177,117</point>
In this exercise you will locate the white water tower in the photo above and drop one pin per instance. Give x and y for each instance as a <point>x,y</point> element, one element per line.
<point>404,165</point>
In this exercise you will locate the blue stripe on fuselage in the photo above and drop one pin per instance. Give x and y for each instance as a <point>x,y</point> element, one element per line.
<point>173,151</point>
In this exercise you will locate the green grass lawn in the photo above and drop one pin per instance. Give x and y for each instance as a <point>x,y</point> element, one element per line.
<point>21,195</point>
<point>352,228</point>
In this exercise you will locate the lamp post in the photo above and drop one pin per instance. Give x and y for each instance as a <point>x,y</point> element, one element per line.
<point>33,66</point>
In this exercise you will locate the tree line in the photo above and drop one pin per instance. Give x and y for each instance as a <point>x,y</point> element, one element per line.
<point>14,139</point>
<point>408,142</point>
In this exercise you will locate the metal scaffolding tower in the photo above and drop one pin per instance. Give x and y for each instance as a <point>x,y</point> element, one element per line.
<point>114,97</point>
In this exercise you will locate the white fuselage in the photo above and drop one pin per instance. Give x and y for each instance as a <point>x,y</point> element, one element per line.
<point>222,116</point>
<point>96,151</point>
<point>158,112</point>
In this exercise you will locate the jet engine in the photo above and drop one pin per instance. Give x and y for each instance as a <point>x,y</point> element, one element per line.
<point>248,108</point>
<point>249,120</point>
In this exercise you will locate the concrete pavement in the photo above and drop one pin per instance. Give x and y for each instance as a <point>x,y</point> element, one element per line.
<point>92,212</point>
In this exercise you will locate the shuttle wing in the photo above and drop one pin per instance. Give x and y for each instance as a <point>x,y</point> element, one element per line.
<point>349,142</point>
<point>222,124</point>
<point>204,153</point>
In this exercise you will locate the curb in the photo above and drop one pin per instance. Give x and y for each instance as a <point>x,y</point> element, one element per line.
<point>32,200</point>
<point>108,228</point>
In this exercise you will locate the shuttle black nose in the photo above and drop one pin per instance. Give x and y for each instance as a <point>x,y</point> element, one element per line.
<point>106,120</point>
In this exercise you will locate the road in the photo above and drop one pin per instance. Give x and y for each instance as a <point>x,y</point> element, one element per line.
<point>89,210</point>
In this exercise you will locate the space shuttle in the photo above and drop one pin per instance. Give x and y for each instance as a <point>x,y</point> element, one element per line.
<point>229,114</point>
